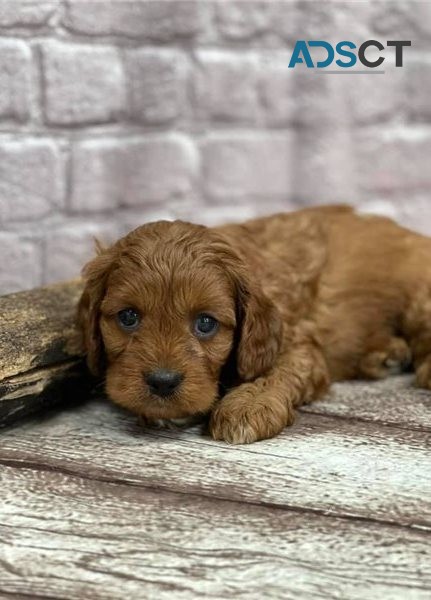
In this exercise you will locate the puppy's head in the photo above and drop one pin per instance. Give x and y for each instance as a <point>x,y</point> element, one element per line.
<point>163,310</point>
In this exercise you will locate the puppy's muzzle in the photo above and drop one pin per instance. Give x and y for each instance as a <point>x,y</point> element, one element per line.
<point>163,382</point>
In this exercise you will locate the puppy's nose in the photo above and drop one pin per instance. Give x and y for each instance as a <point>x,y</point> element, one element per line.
<point>163,382</point>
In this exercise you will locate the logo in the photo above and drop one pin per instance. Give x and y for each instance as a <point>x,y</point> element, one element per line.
<point>348,52</point>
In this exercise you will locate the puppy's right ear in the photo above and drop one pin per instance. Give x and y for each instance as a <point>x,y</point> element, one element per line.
<point>95,274</point>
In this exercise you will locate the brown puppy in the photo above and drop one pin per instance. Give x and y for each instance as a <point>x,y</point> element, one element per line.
<point>273,310</point>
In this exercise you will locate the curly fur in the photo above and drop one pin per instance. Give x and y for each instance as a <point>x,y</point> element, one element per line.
<point>303,299</point>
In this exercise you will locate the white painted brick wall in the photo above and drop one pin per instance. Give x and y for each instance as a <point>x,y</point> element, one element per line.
<point>115,112</point>
<point>83,84</point>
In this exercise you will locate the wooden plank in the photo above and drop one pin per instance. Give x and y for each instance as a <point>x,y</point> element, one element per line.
<point>36,327</point>
<point>39,366</point>
<point>108,541</point>
<point>393,401</point>
<point>326,465</point>
<point>28,393</point>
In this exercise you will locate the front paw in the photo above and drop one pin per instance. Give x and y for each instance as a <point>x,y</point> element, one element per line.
<point>243,417</point>
<point>423,374</point>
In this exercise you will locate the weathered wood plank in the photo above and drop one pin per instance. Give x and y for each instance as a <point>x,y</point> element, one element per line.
<point>36,327</point>
<point>105,541</point>
<point>393,401</point>
<point>323,464</point>
<point>27,393</point>
<point>38,364</point>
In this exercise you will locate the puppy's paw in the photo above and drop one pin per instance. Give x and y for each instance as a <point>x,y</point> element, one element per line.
<point>423,374</point>
<point>242,418</point>
<point>390,360</point>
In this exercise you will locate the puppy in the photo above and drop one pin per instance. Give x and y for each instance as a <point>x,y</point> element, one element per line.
<point>244,323</point>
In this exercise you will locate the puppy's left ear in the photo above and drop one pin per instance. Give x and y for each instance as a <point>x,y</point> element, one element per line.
<point>95,275</point>
<point>259,323</point>
<point>260,331</point>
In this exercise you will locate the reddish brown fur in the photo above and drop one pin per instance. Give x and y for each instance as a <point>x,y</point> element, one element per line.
<point>303,299</point>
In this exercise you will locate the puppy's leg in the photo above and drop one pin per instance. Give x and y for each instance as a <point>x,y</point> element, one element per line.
<point>384,356</point>
<point>417,325</point>
<point>262,408</point>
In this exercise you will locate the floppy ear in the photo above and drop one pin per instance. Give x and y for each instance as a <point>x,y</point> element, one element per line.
<point>95,275</point>
<point>260,331</point>
<point>259,323</point>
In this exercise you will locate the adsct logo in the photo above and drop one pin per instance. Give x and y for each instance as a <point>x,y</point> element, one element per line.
<point>348,52</point>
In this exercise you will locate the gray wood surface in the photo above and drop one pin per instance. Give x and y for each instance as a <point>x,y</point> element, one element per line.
<point>338,506</point>
<point>69,537</point>
<point>394,401</point>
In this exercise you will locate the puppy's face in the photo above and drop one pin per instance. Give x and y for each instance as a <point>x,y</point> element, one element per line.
<point>167,332</point>
<point>161,311</point>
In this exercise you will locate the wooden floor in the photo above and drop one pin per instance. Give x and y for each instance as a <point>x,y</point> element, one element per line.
<point>339,506</point>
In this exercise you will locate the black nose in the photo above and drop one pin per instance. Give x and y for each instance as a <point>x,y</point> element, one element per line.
<point>163,382</point>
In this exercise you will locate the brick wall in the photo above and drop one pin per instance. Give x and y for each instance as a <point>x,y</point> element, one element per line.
<point>117,112</point>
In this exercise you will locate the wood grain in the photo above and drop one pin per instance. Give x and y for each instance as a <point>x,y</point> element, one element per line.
<point>338,506</point>
<point>39,365</point>
<point>74,538</point>
<point>394,401</point>
<point>36,327</point>
<point>39,389</point>
<point>322,464</point>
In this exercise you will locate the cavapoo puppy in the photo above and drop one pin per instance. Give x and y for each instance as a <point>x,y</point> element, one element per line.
<point>244,323</point>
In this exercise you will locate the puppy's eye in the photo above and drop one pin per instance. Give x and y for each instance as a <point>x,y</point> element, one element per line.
<point>205,326</point>
<point>128,319</point>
